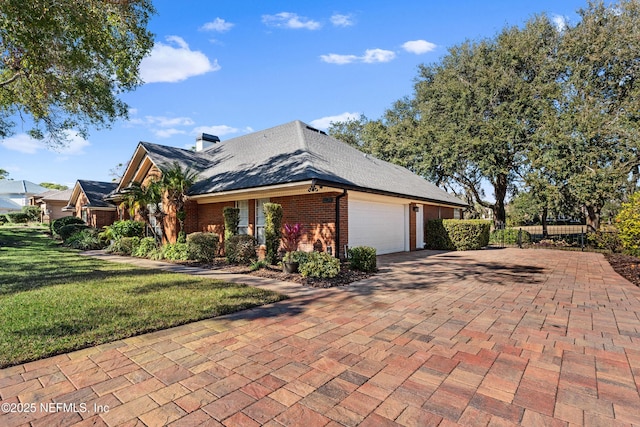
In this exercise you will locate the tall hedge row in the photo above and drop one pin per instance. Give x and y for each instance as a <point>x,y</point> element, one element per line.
<point>457,234</point>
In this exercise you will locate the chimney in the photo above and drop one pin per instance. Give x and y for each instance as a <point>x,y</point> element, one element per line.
<point>204,141</point>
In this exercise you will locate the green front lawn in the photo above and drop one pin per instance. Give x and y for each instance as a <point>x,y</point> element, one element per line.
<point>53,301</point>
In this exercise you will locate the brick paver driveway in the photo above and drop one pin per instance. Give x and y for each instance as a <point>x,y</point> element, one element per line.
<point>495,337</point>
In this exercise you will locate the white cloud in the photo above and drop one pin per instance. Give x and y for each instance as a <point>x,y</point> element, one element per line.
<point>560,22</point>
<point>23,143</point>
<point>370,56</point>
<point>174,62</point>
<point>340,20</point>
<point>167,133</point>
<point>378,55</point>
<point>334,58</point>
<point>166,122</point>
<point>290,20</point>
<point>418,46</point>
<point>218,25</point>
<point>217,130</point>
<point>325,122</point>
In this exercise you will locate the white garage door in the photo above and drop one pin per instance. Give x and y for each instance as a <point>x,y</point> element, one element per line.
<point>380,225</point>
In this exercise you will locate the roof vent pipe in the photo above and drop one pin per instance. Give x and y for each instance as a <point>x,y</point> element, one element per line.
<point>204,141</point>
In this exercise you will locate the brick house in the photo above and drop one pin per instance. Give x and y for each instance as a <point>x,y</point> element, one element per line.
<point>341,196</point>
<point>87,201</point>
<point>52,204</point>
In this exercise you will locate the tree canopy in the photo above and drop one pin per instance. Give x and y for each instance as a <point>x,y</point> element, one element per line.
<point>552,111</point>
<point>64,63</point>
<point>53,186</point>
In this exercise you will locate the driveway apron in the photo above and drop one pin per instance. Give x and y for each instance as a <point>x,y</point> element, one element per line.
<point>492,337</point>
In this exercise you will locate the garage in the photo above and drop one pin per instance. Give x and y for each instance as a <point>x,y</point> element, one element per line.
<point>381,225</point>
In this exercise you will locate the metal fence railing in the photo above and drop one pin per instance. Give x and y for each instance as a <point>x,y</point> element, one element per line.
<point>577,237</point>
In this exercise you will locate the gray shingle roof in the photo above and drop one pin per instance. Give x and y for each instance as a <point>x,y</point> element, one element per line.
<point>96,191</point>
<point>291,153</point>
<point>20,187</point>
<point>59,195</point>
<point>10,205</point>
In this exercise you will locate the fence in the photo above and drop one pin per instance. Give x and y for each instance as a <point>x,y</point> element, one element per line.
<point>577,237</point>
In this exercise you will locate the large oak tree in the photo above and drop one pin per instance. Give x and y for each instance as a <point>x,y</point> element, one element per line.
<point>64,63</point>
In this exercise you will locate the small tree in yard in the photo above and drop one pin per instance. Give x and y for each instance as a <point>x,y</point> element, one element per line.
<point>175,182</point>
<point>231,221</point>
<point>272,230</point>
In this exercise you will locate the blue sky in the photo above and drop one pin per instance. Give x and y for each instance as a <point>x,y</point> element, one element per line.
<point>233,67</point>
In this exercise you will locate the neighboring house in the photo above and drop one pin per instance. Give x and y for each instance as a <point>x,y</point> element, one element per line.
<point>87,202</point>
<point>52,204</point>
<point>18,192</point>
<point>343,197</point>
<point>7,205</point>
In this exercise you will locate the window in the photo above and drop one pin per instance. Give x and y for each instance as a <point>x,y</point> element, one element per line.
<point>456,213</point>
<point>260,220</point>
<point>243,224</point>
<point>85,217</point>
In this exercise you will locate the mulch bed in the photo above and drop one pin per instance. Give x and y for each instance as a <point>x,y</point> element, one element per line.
<point>343,278</point>
<point>626,266</point>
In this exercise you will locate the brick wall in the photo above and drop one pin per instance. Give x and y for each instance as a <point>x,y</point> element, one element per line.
<point>210,218</point>
<point>316,212</point>
<point>99,219</point>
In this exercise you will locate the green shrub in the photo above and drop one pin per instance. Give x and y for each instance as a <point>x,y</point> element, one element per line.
<point>457,234</point>
<point>145,247</point>
<point>231,221</point>
<point>17,217</point>
<point>319,264</point>
<point>85,240</point>
<point>70,229</point>
<point>33,212</point>
<point>297,256</point>
<point>175,252</point>
<point>628,224</point>
<point>240,249</point>
<point>124,245</point>
<point>607,239</point>
<point>509,236</point>
<point>3,219</point>
<point>363,258</point>
<point>61,222</point>
<point>126,228</point>
<point>203,246</point>
<point>272,230</point>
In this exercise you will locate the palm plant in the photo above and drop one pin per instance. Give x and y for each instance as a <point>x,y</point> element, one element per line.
<point>175,183</point>
<point>145,201</point>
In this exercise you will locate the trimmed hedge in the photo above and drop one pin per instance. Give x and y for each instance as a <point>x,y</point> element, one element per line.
<point>18,217</point>
<point>202,246</point>
<point>363,258</point>
<point>509,236</point>
<point>61,222</point>
<point>240,249</point>
<point>70,229</point>
<point>231,221</point>
<point>272,230</point>
<point>457,234</point>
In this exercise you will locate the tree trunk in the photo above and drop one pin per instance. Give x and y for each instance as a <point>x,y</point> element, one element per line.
<point>593,217</point>
<point>500,192</point>
<point>543,218</point>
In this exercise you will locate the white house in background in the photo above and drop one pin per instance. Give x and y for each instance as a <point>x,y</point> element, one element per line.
<point>18,192</point>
